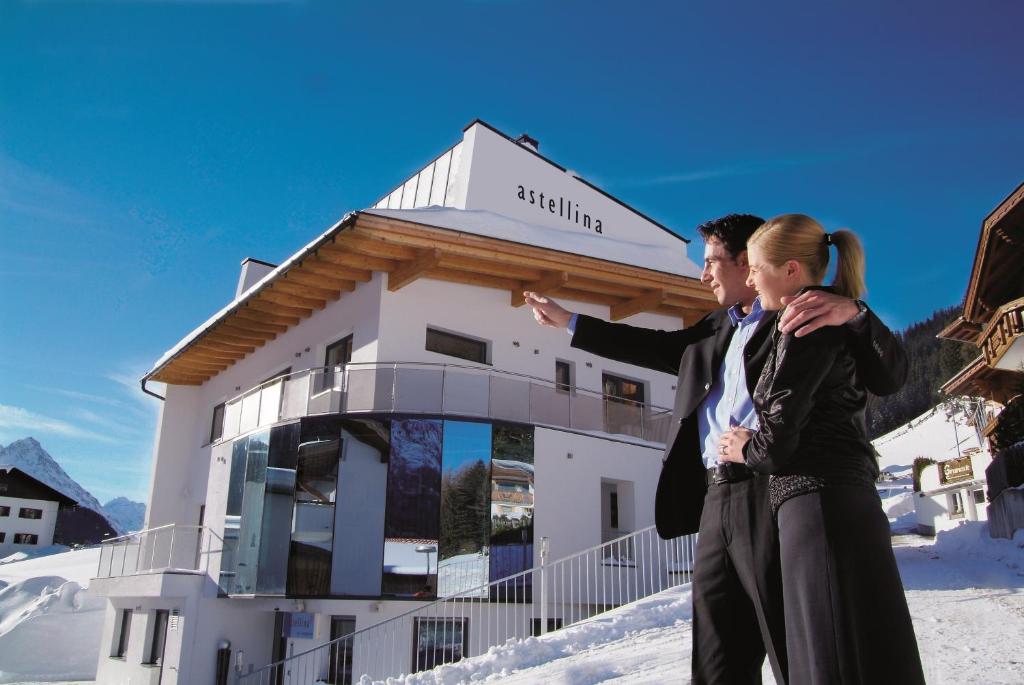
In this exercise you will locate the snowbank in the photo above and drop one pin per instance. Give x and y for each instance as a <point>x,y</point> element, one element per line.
<point>43,601</point>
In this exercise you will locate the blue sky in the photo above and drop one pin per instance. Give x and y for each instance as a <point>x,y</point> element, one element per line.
<point>147,147</point>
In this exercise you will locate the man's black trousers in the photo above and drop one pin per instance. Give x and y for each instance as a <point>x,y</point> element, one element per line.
<point>737,587</point>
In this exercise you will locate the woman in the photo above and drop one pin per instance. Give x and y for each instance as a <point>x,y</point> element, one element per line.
<point>846,614</point>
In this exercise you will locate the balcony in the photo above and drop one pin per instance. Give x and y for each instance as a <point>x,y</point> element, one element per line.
<point>1002,341</point>
<point>158,559</point>
<point>440,390</point>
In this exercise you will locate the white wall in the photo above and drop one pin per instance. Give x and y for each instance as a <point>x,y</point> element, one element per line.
<point>486,313</point>
<point>568,491</point>
<point>13,524</point>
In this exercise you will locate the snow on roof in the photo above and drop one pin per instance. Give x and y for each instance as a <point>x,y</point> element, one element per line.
<point>484,223</point>
<point>284,266</point>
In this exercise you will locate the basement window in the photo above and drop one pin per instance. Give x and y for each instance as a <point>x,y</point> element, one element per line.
<point>26,539</point>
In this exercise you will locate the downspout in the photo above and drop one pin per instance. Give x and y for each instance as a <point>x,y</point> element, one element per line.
<point>150,392</point>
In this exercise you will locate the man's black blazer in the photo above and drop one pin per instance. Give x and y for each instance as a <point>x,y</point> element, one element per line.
<point>695,355</point>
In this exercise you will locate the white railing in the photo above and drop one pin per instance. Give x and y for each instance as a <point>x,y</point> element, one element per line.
<point>440,389</point>
<point>167,548</point>
<point>548,597</point>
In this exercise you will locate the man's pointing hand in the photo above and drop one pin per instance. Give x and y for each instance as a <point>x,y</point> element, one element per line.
<point>547,311</point>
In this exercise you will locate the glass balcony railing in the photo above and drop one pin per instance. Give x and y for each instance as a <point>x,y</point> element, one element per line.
<point>165,549</point>
<point>440,390</point>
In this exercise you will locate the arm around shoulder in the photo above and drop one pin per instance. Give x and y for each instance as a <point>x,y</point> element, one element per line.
<point>881,359</point>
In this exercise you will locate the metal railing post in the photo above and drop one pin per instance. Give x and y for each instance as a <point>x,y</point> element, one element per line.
<point>394,388</point>
<point>543,586</point>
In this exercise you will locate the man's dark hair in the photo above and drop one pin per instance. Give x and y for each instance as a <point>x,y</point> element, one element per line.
<point>732,230</point>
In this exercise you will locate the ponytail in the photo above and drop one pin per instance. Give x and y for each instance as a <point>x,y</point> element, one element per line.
<point>849,280</point>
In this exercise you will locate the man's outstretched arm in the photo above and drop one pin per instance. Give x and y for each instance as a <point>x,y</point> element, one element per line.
<point>652,349</point>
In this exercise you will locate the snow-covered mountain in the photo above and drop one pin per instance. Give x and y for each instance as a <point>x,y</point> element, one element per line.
<point>29,456</point>
<point>125,514</point>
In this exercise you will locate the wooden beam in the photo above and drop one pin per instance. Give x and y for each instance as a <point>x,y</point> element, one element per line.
<point>208,343</point>
<point>468,278</point>
<point>216,357</point>
<point>542,286</point>
<point>293,287</point>
<point>490,267</point>
<point>198,366</point>
<point>357,261</point>
<point>243,331</point>
<point>253,324</point>
<point>332,270</point>
<point>255,314</point>
<point>646,302</point>
<point>292,300</point>
<point>280,309</point>
<point>194,377</point>
<point>353,241</point>
<point>410,271</point>
<point>161,378</point>
<point>577,282</point>
<point>586,296</point>
<point>319,281</point>
<point>220,336</point>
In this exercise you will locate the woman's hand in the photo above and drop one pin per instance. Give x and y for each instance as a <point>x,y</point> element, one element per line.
<point>730,445</point>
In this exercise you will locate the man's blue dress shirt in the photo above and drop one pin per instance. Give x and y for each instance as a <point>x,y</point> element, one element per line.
<point>728,403</point>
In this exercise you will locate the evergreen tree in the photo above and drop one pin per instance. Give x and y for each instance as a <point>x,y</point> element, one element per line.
<point>932,361</point>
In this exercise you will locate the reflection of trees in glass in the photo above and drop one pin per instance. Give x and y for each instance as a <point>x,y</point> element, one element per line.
<point>514,443</point>
<point>414,480</point>
<point>464,509</point>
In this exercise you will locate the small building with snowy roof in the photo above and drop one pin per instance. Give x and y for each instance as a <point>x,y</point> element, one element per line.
<point>28,511</point>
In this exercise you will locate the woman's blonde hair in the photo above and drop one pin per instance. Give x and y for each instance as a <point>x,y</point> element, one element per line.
<point>801,238</point>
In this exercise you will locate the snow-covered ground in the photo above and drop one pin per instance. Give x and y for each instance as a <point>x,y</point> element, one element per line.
<point>965,591</point>
<point>43,602</point>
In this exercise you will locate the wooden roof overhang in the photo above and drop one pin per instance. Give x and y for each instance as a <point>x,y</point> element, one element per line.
<point>978,379</point>
<point>361,244</point>
<point>996,276</point>
<point>962,330</point>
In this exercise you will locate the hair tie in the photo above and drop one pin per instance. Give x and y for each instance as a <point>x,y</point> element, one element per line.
<point>828,238</point>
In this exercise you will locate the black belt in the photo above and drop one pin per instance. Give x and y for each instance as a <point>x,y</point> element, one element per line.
<point>728,472</point>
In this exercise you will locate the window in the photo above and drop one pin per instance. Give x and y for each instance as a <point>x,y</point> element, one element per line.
<point>979,496</point>
<point>454,345</point>
<point>124,628</point>
<point>26,513</point>
<point>613,506</point>
<point>156,647</point>
<point>337,354</point>
<point>438,641</point>
<point>5,511</point>
<point>563,376</point>
<point>340,664</point>
<point>3,536</point>
<point>217,426</point>
<point>622,390</point>
<point>26,539</point>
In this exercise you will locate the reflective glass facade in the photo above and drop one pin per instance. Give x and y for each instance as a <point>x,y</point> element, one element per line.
<point>331,506</point>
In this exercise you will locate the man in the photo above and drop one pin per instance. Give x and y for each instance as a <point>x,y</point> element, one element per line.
<point>737,595</point>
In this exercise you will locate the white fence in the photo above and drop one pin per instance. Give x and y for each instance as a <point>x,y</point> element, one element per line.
<point>549,597</point>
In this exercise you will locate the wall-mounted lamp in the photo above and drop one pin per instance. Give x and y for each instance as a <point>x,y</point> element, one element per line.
<point>568,455</point>
<point>515,343</point>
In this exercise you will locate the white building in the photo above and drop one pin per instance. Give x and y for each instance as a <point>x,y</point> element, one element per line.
<point>28,511</point>
<point>379,420</point>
